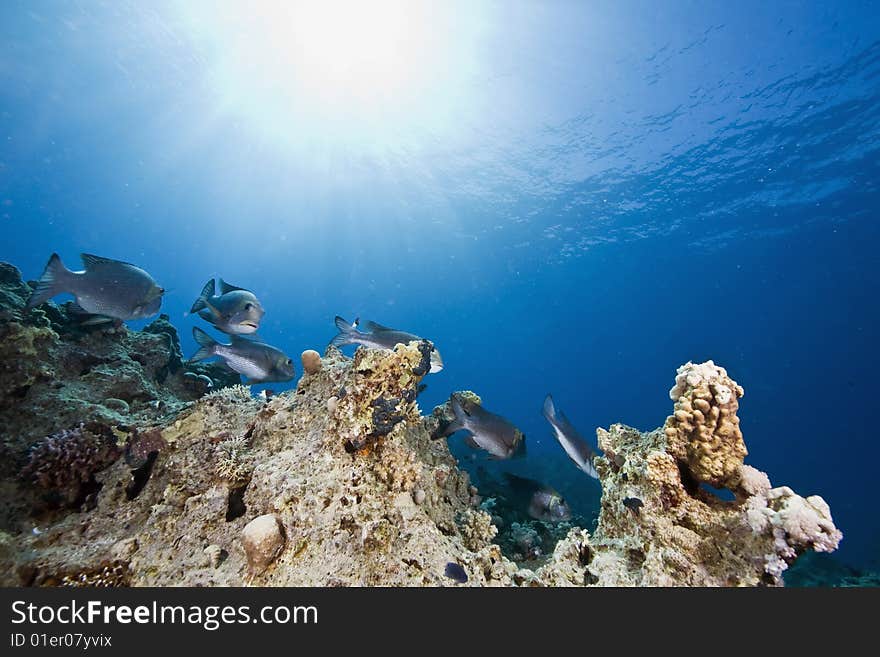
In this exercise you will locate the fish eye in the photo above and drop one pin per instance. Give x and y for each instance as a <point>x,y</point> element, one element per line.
<point>290,361</point>
<point>248,306</point>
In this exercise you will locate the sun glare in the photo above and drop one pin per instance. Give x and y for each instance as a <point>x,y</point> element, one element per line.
<point>340,69</point>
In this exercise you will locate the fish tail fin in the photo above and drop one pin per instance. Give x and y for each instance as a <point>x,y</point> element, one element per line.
<point>347,332</point>
<point>52,282</point>
<point>201,302</point>
<point>206,345</point>
<point>549,410</point>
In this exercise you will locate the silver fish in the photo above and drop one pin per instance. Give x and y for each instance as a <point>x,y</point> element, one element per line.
<point>107,288</point>
<point>234,311</point>
<point>548,505</point>
<point>379,337</point>
<point>489,432</point>
<point>544,503</point>
<point>256,361</point>
<point>575,446</point>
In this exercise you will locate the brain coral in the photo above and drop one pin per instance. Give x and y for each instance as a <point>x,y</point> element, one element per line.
<point>703,431</point>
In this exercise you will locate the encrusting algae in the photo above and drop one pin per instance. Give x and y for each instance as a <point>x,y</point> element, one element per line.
<point>339,482</point>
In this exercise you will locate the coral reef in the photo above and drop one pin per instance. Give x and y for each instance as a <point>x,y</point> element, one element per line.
<point>56,374</point>
<point>64,464</point>
<point>682,533</point>
<point>392,513</point>
<point>339,481</point>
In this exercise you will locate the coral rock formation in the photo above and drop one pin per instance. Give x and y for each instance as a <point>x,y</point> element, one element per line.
<point>338,482</point>
<point>682,534</point>
<point>347,518</point>
<point>263,539</point>
<point>703,431</point>
<point>311,361</point>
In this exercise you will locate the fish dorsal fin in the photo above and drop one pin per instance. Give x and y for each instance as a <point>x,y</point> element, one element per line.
<point>91,261</point>
<point>372,327</point>
<point>208,289</point>
<point>226,287</point>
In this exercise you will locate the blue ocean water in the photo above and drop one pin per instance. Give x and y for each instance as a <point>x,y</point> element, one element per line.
<point>572,198</point>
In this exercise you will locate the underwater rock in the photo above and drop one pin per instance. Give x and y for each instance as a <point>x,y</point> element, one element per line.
<point>56,374</point>
<point>311,361</point>
<point>262,539</point>
<point>477,529</point>
<point>357,491</point>
<point>683,534</point>
<point>348,518</point>
<point>380,392</point>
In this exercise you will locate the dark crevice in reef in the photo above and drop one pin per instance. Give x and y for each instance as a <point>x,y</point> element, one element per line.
<point>140,476</point>
<point>89,493</point>
<point>235,506</point>
<point>21,392</point>
<point>691,485</point>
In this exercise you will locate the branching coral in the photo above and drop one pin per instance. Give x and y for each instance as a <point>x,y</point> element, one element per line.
<point>234,462</point>
<point>236,394</point>
<point>477,529</point>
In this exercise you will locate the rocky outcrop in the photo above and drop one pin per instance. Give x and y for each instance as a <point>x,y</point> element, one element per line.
<point>660,526</point>
<point>57,375</point>
<point>393,512</point>
<point>121,470</point>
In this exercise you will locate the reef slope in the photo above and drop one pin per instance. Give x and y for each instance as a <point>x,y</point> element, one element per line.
<point>338,482</point>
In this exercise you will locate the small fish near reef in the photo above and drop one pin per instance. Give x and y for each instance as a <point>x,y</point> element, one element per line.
<point>543,502</point>
<point>257,361</point>
<point>455,572</point>
<point>106,289</point>
<point>235,311</point>
<point>488,431</point>
<point>379,337</point>
<point>572,442</point>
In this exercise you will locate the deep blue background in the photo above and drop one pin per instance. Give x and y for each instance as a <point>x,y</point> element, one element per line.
<point>622,188</point>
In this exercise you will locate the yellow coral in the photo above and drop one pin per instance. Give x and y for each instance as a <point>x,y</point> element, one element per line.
<point>477,530</point>
<point>380,393</point>
<point>703,431</point>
